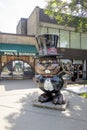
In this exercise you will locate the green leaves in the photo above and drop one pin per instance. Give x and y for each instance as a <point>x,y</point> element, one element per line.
<point>84,95</point>
<point>69,13</point>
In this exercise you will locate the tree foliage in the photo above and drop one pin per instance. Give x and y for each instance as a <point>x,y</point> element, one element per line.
<point>71,13</point>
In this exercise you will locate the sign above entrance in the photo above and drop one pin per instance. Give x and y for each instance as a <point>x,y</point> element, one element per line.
<point>18,54</point>
<point>17,49</point>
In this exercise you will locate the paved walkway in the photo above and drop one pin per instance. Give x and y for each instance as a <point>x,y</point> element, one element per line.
<point>18,113</point>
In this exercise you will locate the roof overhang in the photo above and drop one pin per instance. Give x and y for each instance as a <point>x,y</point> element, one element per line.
<point>17,49</point>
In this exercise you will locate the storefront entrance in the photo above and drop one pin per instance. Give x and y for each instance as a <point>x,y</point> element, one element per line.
<point>78,71</point>
<point>77,66</point>
<point>17,60</point>
<point>17,69</point>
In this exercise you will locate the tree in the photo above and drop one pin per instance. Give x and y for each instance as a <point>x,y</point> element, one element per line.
<point>71,13</point>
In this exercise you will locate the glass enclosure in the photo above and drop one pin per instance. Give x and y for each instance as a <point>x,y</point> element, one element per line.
<point>67,39</point>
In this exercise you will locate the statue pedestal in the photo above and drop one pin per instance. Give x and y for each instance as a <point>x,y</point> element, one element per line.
<point>50,105</point>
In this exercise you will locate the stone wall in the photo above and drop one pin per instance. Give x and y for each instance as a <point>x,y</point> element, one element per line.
<point>33,22</point>
<point>14,38</point>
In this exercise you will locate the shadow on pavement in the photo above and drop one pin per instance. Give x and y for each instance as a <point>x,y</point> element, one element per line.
<point>33,118</point>
<point>17,84</point>
<point>20,114</point>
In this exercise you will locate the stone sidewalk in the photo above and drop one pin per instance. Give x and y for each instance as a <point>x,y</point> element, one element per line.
<point>18,113</point>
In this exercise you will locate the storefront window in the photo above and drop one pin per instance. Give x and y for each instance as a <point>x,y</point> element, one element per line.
<point>54,31</point>
<point>83,41</point>
<point>65,61</point>
<point>17,69</point>
<point>64,39</point>
<point>78,69</point>
<point>43,30</point>
<point>75,40</point>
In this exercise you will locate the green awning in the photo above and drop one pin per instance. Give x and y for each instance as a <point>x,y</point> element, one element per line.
<point>17,49</point>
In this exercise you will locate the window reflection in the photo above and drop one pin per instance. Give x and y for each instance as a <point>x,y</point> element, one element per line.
<point>17,69</point>
<point>64,39</point>
<point>75,40</point>
<point>43,30</point>
<point>83,41</point>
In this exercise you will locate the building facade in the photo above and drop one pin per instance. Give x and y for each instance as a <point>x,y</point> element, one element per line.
<point>72,44</point>
<point>20,63</point>
<point>17,56</point>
